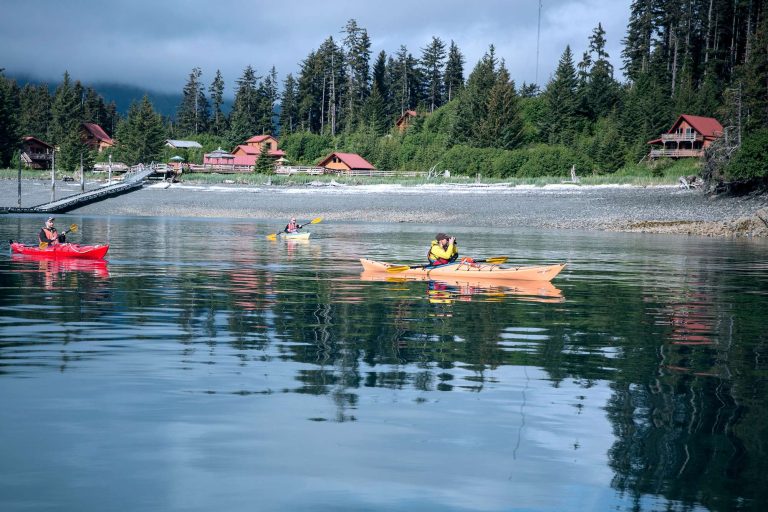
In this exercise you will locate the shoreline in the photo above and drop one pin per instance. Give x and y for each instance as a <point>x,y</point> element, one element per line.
<point>621,208</point>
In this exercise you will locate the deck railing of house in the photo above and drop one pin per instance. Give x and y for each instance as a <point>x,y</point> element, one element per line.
<point>675,153</point>
<point>220,168</point>
<point>291,169</point>
<point>681,137</point>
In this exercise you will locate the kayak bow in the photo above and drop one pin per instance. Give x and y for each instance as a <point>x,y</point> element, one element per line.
<point>471,270</point>
<point>62,250</point>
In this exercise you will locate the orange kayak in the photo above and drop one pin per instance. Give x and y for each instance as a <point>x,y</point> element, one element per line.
<point>465,271</point>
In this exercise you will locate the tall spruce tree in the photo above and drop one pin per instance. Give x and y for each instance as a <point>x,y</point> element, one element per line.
<point>454,72</point>
<point>357,49</point>
<point>289,107</point>
<point>562,101</point>
<point>65,111</point>
<point>193,113</point>
<point>432,59</point>
<point>218,125</point>
<point>140,137</point>
<point>472,110</point>
<point>268,95</point>
<point>503,126</point>
<point>35,116</point>
<point>9,121</point>
<point>244,118</point>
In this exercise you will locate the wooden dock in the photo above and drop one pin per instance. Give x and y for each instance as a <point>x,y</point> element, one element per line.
<point>132,180</point>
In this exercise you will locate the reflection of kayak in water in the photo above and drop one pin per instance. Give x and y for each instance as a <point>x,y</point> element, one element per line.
<point>62,250</point>
<point>294,236</point>
<point>97,268</point>
<point>539,291</point>
<point>472,271</point>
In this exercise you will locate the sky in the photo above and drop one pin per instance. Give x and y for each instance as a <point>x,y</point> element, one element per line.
<point>154,44</point>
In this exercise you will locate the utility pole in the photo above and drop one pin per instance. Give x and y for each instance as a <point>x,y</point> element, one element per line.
<point>82,174</point>
<point>20,152</point>
<point>53,175</point>
<point>538,38</point>
<point>109,180</point>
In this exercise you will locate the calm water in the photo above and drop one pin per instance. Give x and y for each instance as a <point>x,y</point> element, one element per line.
<point>205,368</point>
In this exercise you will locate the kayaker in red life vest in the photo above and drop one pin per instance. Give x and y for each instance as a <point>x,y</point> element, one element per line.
<point>292,227</point>
<point>49,235</point>
<point>444,249</point>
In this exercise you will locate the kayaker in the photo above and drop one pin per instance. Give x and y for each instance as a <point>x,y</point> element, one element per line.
<point>49,235</point>
<point>292,227</point>
<point>444,249</point>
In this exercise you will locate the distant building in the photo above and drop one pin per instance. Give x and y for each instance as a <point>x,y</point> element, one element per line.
<point>345,163</point>
<point>36,154</point>
<point>405,119</point>
<point>218,157</point>
<point>688,137</point>
<point>248,153</point>
<point>183,144</point>
<point>95,137</point>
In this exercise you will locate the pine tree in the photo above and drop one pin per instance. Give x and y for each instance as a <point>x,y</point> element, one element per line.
<point>268,95</point>
<point>562,101</point>
<point>193,113</point>
<point>472,110</point>
<point>35,116</point>
<point>141,135</point>
<point>264,164</point>
<point>9,121</point>
<point>503,125</point>
<point>218,119</point>
<point>66,113</point>
<point>432,59</point>
<point>243,122</point>
<point>289,107</point>
<point>357,46</point>
<point>454,73</point>
<point>373,115</point>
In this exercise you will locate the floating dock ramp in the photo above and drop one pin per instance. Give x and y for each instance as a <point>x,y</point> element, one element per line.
<point>132,180</point>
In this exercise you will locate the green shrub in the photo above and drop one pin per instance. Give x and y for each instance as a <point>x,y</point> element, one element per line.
<point>750,161</point>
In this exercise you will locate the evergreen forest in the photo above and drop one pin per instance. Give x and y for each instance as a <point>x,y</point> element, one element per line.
<point>697,57</point>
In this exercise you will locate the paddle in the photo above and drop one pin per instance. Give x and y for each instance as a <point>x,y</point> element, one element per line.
<point>496,260</point>
<point>72,229</point>
<point>273,236</point>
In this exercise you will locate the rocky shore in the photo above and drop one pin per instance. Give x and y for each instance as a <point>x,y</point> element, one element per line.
<point>611,208</point>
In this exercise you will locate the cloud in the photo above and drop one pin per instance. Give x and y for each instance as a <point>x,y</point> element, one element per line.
<point>155,44</point>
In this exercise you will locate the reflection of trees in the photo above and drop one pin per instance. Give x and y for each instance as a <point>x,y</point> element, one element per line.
<point>689,416</point>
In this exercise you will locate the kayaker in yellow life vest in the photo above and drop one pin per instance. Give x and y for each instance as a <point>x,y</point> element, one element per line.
<point>292,227</point>
<point>444,249</point>
<point>49,235</point>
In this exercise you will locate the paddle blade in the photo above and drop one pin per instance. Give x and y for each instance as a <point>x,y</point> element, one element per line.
<point>316,220</point>
<point>73,228</point>
<point>272,236</point>
<point>43,245</point>
<point>400,268</point>
<point>496,261</point>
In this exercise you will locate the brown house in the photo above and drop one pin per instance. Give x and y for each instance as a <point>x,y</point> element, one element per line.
<point>403,121</point>
<point>688,137</point>
<point>95,137</point>
<point>36,154</point>
<point>345,163</point>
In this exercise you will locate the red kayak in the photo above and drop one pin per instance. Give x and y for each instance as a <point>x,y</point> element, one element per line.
<point>92,252</point>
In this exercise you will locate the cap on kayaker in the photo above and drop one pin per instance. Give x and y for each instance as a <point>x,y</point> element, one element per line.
<point>441,236</point>
<point>50,219</point>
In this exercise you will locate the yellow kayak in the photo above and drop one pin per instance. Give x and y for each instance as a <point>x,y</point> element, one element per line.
<point>463,270</point>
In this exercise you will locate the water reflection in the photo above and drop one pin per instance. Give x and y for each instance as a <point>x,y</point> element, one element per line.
<point>213,357</point>
<point>489,290</point>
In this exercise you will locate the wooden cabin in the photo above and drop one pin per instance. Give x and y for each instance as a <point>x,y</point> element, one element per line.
<point>346,163</point>
<point>403,121</point>
<point>248,153</point>
<point>36,154</point>
<point>95,137</point>
<point>688,137</point>
<point>218,157</point>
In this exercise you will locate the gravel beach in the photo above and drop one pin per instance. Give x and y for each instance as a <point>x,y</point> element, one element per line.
<point>612,208</point>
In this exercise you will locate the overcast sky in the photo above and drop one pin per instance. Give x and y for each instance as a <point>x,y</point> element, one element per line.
<point>155,43</point>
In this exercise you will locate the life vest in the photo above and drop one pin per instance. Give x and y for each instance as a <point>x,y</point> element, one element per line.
<point>435,259</point>
<point>51,234</point>
<point>291,227</point>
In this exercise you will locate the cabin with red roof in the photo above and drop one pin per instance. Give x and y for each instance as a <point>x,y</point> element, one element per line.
<point>95,137</point>
<point>36,154</point>
<point>248,153</point>
<point>346,163</point>
<point>403,121</point>
<point>688,137</point>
